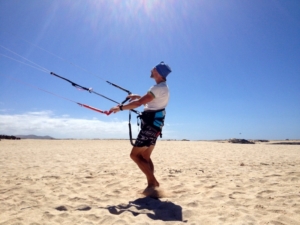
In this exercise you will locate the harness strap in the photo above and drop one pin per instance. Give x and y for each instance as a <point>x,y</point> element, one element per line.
<point>129,125</point>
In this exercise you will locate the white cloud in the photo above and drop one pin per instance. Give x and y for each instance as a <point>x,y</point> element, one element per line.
<point>63,126</point>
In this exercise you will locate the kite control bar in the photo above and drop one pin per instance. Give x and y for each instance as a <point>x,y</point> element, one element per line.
<point>91,90</point>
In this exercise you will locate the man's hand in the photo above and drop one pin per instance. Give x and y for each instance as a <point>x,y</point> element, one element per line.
<point>115,109</point>
<point>134,104</point>
<point>133,97</point>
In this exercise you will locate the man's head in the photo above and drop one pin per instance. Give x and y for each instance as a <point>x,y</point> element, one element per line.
<point>162,70</point>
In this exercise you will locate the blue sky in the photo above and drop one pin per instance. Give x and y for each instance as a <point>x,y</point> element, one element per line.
<point>236,66</point>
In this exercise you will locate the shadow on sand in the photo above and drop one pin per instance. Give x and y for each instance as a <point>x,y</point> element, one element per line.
<point>153,208</point>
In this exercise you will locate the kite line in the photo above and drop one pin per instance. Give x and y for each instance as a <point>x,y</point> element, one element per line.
<point>59,96</point>
<point>36,66</point>
<point>43,69</point>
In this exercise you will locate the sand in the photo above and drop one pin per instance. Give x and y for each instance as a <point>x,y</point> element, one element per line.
<point>95,182</point>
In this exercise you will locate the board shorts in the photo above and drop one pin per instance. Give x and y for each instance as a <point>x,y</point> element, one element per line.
<point>147,136</point>
<point>152,123</point>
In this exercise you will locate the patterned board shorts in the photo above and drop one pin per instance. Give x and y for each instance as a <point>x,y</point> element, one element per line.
<point>147,136</point>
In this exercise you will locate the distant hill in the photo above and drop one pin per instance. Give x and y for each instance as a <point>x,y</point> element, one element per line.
<point>32,136</point>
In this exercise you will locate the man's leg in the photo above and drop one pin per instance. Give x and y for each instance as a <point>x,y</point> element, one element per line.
<point>146,155</point>
<point>141,156</point>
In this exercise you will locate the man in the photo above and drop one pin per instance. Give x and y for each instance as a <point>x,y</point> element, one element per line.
<point>152,121</point>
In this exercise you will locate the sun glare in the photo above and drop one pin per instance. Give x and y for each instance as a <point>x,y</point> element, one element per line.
<point>122,11</point>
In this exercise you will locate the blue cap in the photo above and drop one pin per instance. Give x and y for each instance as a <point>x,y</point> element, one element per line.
<point>163,69</point>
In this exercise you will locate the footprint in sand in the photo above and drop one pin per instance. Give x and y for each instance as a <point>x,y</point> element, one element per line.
<point>211,186</point>
<point>274,175</point>
<point>76,199</point>
<point>236,194</point>
<point>193,204</point>
<point>83,208</point>
<point>61,208</point>
<point>48,215</point>
<point>79,208</point>
<point>264,194</point>
<point>92,217</point>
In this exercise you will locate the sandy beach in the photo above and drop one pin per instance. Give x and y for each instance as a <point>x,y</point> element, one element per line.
<point>95,182</point>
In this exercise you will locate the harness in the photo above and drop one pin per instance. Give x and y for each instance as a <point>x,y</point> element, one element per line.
<point>153,118</point>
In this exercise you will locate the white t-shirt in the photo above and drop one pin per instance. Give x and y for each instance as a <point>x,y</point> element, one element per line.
<point>161,97</point>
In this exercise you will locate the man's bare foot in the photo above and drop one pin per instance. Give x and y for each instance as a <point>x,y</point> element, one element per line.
<point>153,185</point>
<point>153,192</point>
<point>148,190</point>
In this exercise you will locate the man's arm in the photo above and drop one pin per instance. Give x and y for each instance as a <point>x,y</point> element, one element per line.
<point>134,104</point>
